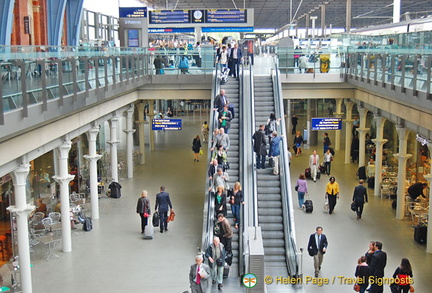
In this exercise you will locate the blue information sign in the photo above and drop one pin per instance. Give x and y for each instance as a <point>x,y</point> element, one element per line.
<point>247,29</point>
<point>132,12</point>
<point>326,123</point>
<point>171,30</point>
<point>169,16</point>
<point>167,124</point>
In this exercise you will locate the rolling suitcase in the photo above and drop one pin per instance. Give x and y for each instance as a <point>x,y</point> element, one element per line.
<point>318,174</point>
<point>371,182</point>
<point>308,205</point>
<point>420,234</point>
<point>149,232</point>
<point>308,173</point>
<point>226,271</point>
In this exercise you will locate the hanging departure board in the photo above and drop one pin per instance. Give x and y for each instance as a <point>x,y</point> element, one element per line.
<point>225,16</point>
<point>169,16</point>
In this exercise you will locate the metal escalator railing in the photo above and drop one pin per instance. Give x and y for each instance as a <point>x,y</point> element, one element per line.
<point>292,258</point>
<point>254,193</point>
<point>208,213</point>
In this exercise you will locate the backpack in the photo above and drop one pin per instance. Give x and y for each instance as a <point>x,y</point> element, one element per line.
<point>184,63</point>
<point>88,225</point>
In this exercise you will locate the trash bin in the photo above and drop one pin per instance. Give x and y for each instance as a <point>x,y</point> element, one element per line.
<point>324,63</point>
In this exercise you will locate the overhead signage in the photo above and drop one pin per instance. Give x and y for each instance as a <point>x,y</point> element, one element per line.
<point>225,16</point>
<point>422,140</point>
<point>247,29</point>
<point>169,16</point>
<point>220,16</point>
<point>132,12</point>
<point>171,30</point>
<point>326,123</point>
<point>167,124</point>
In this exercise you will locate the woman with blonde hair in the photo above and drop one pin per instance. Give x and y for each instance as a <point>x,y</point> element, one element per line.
<point>236,200</point>
<point>143,209</point>
<point>220,201</point>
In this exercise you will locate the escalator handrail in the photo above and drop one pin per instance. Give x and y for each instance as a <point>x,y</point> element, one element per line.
<point>254,189</point>
<point>286,191</point>
<point>208,212</point>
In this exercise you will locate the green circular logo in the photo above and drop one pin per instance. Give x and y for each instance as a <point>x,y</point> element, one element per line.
<point>249,280</point>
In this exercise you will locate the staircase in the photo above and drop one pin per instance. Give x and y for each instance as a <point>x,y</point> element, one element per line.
<point>270,215</point>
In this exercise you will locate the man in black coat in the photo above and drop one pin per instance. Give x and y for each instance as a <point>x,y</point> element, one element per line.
<point>163,201</point>
<point>220,101</point>
<point>359,198</point>
<point>317,247</point>
<point>260,145</point>
<point>416,190</point>
<point>378,263</point>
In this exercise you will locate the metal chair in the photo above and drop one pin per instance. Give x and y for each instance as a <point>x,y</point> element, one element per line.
<point>47,222</point>
<point>55,217</point>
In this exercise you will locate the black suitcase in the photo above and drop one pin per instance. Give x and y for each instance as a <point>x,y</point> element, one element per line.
<point>322,168</point>
<point>420,234</point>
<point>371,182</point>
<point>308,206</point>
<point>87,225</point>
<point>361,172</point>
<point>308,173</point>
<point>318,175</point>
<point>226,271</point>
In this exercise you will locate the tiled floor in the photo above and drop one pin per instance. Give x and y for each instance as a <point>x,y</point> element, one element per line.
<point>114,257</point>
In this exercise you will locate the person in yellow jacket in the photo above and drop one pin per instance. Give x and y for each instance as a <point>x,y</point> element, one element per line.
<point>332,193</point>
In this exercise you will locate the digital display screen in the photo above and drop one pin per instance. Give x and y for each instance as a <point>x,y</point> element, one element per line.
<point>133,39</point>
<point>169,16</point>
<point>132,12</point>
<point>225,16</point>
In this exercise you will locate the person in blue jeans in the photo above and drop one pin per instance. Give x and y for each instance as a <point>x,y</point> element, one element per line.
<point>302,189</point>
<point>236,201</point>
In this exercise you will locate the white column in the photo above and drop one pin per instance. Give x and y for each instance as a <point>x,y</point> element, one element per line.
<point>141,136</point>
<point>93,157</point>
<point>63,180</point>
<point>151,116</point>
<point>362,132</point>
<point>348,130</point>
<point>113,122</point>
<point>396,10</point>
<point>129,140</point>
<point>402,157</point>
<point>22,210</point>
<point>338,114</point>
<point>379,145</point>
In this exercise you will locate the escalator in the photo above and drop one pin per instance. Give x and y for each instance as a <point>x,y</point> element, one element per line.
<point>270,207</point>
<point>232,92</point>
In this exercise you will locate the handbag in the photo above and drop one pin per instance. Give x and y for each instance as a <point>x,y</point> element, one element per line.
<point>146,215</point>
<point>201,152</point>
<point>296,188</point>
<point>219,262</point>
<point>353,207</point>
<point>357,287</point>
<point>394,288</point>
<point>411,288</point>
<point>326,206</point>
<point>232,200</point>
<point>156,219</point>
<point>171,216</point>
<point>225,166</point>
<point>271,162</point>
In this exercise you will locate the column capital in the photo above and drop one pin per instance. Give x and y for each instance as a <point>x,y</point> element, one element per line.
<point>348,103</point>
<point>402,156</point>
<point>25,211</point>
<point>130,111</point>
<point>362,129</point>
<point>19,176</point>
<point>379,141</point>
<point>348,121</point>
<point>64,149</point>
<point>92,158</point>
<point>129,130</point>
<point>92,133</point>
<point>113,142</point>
<point>68,178</point>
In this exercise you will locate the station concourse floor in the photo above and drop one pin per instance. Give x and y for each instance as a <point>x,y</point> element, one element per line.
<point>113,257</point>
